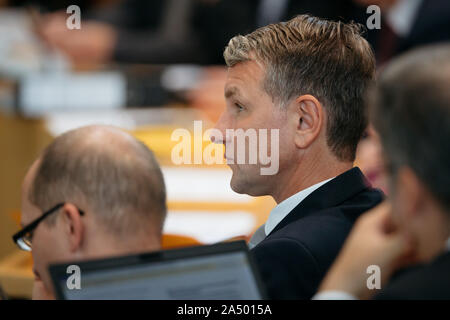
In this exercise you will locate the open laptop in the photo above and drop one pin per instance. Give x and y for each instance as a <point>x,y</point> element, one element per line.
<point>223,271</point>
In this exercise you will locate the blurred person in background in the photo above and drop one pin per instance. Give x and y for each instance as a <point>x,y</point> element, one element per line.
<point>219,20</point>
<point>173,31</point>
<point>411,111</point>
<point>94,192</point>
<point>369,159</point>
<point>406,24</point>
<point>306,78</point>
<point>134,31</point>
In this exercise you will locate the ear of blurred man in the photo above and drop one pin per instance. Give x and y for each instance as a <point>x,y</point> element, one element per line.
<point>73,227</point>
<point>418,214</point>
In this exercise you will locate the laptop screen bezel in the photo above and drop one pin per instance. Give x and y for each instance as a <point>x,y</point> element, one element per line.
<point>58,272</point>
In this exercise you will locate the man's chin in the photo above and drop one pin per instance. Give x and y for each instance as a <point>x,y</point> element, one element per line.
<point>238,184</point>
<point>246,187</point>
<point>237,188</point>
<point>42,291</point>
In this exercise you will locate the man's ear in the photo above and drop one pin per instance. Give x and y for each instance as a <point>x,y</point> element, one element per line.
<point>73,226</point>
<point>310,118</point>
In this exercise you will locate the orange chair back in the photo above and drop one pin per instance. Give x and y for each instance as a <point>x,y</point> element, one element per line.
<point>171,241</point>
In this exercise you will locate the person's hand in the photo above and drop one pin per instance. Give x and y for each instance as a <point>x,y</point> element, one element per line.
<point>373,241</point>
<point>40,292</point>
<point>93,43</point>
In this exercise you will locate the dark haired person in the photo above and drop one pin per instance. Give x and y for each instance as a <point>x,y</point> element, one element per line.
<point>306,78</point>
<point>411,111</point>
<point>94,192</point>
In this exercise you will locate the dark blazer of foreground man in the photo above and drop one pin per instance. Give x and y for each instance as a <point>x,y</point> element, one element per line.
<point>305,78</point>
<point>298,252</point>
<point>409,237</point>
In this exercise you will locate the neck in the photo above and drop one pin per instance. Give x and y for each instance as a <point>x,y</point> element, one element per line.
<point>306,174</point>
<point>110,248</point>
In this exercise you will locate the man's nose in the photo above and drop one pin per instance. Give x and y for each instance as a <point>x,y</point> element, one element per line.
<point>219,131</point>
<point>216,139</point>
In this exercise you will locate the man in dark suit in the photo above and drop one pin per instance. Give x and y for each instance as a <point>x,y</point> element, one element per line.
<point>295,256</point>
<point>303,81</point>
<point>411,111</point>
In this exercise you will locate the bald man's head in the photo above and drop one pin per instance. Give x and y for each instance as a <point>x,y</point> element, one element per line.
<point>105,171</point>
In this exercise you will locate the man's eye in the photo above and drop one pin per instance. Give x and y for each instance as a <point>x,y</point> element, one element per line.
<point>28,238</point>
<point>239,107</point>
<point>29,235</point>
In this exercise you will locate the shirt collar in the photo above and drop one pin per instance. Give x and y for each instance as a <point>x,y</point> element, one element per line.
<point>286,206</point>
<point>448,244</point>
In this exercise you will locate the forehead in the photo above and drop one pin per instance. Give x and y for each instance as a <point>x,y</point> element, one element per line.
<point>28,210</point>
<point>244,78</point>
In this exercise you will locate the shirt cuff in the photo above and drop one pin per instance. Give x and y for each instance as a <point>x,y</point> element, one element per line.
<point>333,295</point>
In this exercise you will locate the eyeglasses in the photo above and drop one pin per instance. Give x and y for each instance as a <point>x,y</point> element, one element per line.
<point>24,237</point>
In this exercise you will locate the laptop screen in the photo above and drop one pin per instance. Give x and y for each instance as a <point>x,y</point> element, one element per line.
<point>217,272</point>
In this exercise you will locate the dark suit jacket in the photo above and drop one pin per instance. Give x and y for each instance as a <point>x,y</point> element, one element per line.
<point>295,256</point>
<point>431,281</point>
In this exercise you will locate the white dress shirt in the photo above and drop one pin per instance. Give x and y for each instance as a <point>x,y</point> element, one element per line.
<point>281,211</point>
<point>286,206</point>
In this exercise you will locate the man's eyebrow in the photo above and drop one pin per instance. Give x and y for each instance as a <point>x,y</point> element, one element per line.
<point>231,92</point>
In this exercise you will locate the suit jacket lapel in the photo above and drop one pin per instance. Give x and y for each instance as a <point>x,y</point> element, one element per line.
<point>330,194</point>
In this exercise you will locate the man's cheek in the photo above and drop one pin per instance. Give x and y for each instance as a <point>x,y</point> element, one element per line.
<point>42,258</point>
<point>398,214</point>
<point>40,292</point>
<point>38,266</point>
<point>42,273</point>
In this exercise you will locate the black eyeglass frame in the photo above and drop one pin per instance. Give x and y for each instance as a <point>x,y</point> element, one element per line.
<point>33,225</point>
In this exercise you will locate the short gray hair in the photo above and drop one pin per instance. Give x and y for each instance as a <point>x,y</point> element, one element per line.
<point>307,55</point>
<point>105,171</point>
